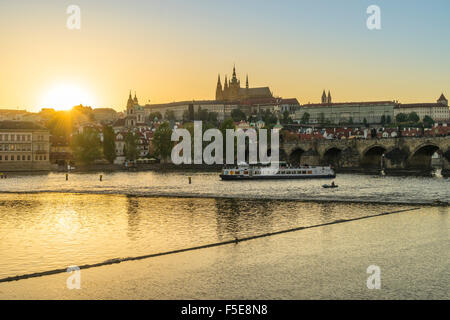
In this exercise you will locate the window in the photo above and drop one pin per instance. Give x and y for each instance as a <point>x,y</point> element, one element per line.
<point>1,137</point>
<point>23,157</point>
<point>12,137</point>
<point>29,137</point>
<point>0,158</point>
<point>6,137</point>
<point>40,158</point>
<point>45,158</point>
<point>36,158</point>
<point>12,158</point>
<point>29,158</point>
<point>6,158</point>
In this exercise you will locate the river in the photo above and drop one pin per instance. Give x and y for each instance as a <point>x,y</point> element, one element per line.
<point>47,222</point>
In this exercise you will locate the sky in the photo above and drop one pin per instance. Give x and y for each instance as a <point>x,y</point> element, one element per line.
<point>172,50</point>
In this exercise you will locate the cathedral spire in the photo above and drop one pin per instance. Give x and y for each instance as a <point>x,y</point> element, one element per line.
<point>324,97</point>
<point>329,97</point>
<point>246,82</point>
<point>219,92</point>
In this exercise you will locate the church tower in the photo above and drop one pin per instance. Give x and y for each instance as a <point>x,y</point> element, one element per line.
<point>130,103</point>
<point>442,100</point>
<point>219,93</point>
<point>135,101</point>
<point>225,89</point>
<point>234,86</point>
<point>324,97</point>
<point>246,83</point>
<point>329,97</point>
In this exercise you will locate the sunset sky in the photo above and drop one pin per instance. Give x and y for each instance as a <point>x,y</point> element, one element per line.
<point>171,50</point>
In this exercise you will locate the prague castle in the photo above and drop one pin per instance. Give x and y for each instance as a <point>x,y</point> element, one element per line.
<point>232,91</point>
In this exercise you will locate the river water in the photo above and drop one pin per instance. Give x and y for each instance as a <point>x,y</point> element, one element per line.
<point>47,222</point>
<point>352,187</point>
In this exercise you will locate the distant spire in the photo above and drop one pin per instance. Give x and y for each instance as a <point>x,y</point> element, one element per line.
<point>218,81</point>
<point>129,95</point>
<point>324,97</point>
<point>234,71</point>
<point>329,97</point>
<point>246,82</point>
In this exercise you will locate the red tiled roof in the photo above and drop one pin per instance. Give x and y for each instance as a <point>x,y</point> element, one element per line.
<point>289,101</point>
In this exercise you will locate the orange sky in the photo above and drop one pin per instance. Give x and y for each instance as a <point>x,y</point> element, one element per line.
<point>174,51</point>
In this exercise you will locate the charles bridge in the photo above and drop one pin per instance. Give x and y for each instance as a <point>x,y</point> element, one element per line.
<point>404,153</point>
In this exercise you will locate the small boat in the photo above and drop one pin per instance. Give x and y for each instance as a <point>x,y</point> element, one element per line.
<point>330,186</point>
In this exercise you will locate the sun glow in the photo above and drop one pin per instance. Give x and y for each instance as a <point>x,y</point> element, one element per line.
<point>64,97</point>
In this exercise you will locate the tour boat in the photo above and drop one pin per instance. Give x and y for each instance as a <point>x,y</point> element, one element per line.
<point>258,172</point>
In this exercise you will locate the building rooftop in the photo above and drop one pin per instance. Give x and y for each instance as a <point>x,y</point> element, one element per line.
<point>20,125</point>
<point>349,103</point>
<point>418,105</point>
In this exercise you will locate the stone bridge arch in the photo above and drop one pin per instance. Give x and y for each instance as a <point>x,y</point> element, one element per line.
<point>295,155</point>
<point>420,157</point>
<point>332,156</point>
<point>371,156</point>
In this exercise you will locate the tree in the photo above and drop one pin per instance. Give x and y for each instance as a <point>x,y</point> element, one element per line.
<point>186,115</point>
<point>61,124</point>
<point>413,117</point>
<point>212,118</point>
<point>428,121</point>
<point>201,114</point>
<point>170,115</point>
<point>365,122</point>
<point>269,118</point>
<point>286,118</point>
<point>401,117</point>
<point>162,143</point>
<point>109,144</point>
<point>155,115</point>
<point>87,146</point>
<point>238,115</point>
<point>131,146</point>
<point>388,119</point>
<point>383,120</point>
<point>305,118</point>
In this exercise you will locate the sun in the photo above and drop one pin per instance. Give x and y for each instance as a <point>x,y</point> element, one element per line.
<point>66,96</point>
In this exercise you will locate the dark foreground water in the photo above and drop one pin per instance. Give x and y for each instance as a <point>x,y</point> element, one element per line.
<point>48,223</point>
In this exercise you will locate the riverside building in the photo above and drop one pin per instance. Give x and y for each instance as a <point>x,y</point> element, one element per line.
<point>24,146</point>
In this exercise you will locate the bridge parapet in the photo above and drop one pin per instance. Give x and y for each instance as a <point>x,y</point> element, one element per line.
<point>405,151</point>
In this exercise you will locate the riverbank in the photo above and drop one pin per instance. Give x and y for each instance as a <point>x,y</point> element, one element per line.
<point>168,167</point>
